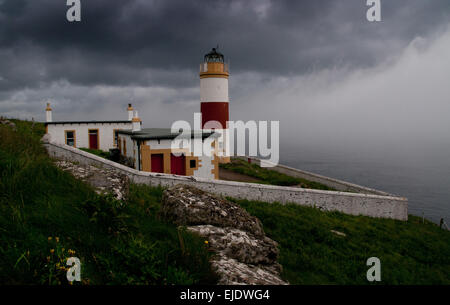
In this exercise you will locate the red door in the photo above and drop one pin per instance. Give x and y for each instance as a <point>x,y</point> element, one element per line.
<point>177,165</point>
<point>93,139</point>
<point>157,163</point>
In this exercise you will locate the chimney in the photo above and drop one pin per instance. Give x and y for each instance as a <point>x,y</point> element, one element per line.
<point>136,122</point>
<point>48,112</point>
<point>130,112</point>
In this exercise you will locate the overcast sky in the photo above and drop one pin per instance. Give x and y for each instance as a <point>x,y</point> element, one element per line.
<point>329,76</point>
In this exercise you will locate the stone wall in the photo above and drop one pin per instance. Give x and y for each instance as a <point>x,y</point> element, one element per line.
<point>349,203</point>
<point>330,182</point>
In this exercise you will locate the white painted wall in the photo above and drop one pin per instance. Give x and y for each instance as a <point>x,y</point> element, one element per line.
<point>348,203</point>
<point>48,116</point>
<point>105,130</point>
<point>205,171</point>
<point>206,161</point>
<point>214,89</point>
<point>129,144</point>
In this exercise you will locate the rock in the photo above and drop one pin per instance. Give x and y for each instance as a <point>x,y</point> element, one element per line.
<point>243,253</point>
<point>233,272</point>
<point>338,233</point>
<point>102,179</point>
<point>4,121</point>
<point>240,245</point>
<point>185,205</point>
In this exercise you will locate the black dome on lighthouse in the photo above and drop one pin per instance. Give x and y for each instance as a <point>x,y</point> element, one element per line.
<point>214,56</point>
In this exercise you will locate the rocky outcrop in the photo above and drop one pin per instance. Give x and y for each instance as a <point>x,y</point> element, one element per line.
<point>103,180</point>
<point>243,253</point>
<point>186,205</point>
<point>7,122</point>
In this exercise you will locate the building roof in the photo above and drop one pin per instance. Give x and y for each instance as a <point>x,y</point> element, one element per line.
<point>163,133</point>
<point>87,122</point>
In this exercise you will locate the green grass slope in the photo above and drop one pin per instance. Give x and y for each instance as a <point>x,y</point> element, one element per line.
<point>46,216</point>
<point>410,252</point>
<point>267,176</point>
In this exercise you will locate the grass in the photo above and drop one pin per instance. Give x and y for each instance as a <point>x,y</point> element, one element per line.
<point>97,152</point>
<point>46,215</point>
<point>267,176</point>
<point>411,252</point>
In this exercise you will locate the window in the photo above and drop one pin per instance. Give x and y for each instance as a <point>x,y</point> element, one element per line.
<point>192,163</point>
<point>116,136</point>
<point>70,137</point>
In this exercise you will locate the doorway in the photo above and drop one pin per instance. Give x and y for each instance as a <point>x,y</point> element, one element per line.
<point>178,165</point>
<point>157,163</point>
<point>93,138</point>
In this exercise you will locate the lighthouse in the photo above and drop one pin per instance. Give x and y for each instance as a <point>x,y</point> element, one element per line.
<point>214,97</point>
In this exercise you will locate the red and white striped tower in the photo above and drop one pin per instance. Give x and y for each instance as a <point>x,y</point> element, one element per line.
<point>214,96</point>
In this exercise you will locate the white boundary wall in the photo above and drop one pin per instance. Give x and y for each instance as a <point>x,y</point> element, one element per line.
<point>349,203</point>
<point>330,182</point>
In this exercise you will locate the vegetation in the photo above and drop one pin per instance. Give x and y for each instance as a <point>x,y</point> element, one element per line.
<point>97,152</point>
<point>267,176</point>
<point>46,216</point>
<point>410,252</point>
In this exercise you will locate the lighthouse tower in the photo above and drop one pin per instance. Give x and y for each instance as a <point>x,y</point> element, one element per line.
<point>214,97</point>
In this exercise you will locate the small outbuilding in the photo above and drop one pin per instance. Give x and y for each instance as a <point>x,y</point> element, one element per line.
<point>152,150</point>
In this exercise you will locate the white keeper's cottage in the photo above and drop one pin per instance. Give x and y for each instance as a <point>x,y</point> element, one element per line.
<point>87,134</point>
<point>148,149</point>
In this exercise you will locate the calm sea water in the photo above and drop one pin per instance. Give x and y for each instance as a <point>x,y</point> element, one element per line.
<point>426,185</point>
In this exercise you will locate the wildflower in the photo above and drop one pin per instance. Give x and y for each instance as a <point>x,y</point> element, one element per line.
<point>206,242</point>
<point>57,239</point>
<point>52,251</point>
<point>48,258</point>
<point>49,238</point>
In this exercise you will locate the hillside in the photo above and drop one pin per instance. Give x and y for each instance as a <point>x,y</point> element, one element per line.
<point>45,212</point>
<point>46,215</point>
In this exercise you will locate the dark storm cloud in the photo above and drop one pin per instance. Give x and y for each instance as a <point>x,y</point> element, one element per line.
<point>139,42</point>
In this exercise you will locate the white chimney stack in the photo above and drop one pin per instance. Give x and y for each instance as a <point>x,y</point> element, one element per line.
<point>130,112</point>
<point>48,113</point>
<point>136,122</point>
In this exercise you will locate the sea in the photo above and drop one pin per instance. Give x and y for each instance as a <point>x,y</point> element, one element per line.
<point>425,184</point>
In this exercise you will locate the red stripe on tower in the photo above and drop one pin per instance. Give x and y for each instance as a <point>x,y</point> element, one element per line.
<point>214,112</point>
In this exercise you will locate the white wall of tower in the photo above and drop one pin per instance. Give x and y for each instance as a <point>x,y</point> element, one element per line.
<point>213,89</point>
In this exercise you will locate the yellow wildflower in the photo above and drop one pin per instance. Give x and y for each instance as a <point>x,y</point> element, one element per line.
<point>57,239</point>
<point>52,251</point>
